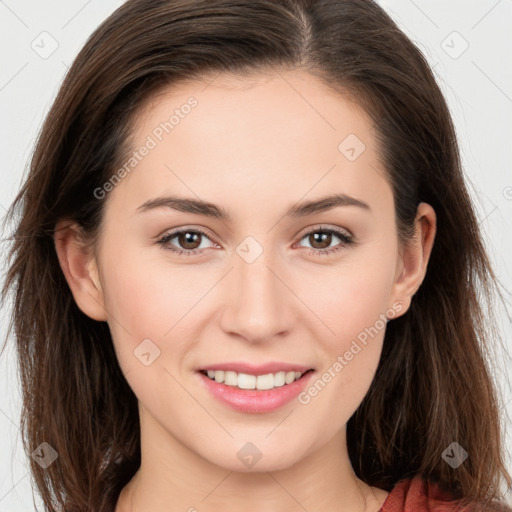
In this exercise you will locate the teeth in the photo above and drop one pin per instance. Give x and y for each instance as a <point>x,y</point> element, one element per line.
<point>246,381</point>
<point>230,379</point>
<point>280,379</point>
<point>243,381</point>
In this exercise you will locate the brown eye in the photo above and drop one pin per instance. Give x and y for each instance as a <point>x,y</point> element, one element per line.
<point>188,241</point>
<point>321,239</point>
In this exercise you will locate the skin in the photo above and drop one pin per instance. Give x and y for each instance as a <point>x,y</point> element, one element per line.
<point>254,146</point>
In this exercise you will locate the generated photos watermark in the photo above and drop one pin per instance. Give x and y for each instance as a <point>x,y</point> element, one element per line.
<point>151,142</point>
<point>355,348</point>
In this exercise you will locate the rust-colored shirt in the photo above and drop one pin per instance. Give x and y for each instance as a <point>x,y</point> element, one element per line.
<point>418,495</point>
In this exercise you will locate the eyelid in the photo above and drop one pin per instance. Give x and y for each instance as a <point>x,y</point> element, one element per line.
<point>176,231</point>
<point>325,227</point>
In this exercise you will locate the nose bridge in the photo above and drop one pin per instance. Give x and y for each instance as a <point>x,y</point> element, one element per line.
<point>257,307</point>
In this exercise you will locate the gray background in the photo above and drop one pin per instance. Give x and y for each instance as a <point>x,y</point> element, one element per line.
<point>468,43</point>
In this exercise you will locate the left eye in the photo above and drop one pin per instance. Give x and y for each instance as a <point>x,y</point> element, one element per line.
<point>324,236</point>
<point>190,238</point>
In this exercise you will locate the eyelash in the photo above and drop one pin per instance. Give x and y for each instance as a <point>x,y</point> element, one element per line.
<point>345,239</point>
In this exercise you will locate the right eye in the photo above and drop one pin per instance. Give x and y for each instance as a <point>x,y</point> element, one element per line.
<point>186,237</point>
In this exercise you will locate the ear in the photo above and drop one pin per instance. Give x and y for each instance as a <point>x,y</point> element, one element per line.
<point>80,269</point>
<point>414,257</point>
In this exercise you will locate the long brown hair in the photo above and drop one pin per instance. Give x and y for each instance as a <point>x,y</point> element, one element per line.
<point>433,385</point>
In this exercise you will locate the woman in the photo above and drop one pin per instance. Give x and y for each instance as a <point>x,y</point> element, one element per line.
<point>192,352</point>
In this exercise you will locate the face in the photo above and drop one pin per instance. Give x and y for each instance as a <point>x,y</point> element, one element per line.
<point>275,284</point>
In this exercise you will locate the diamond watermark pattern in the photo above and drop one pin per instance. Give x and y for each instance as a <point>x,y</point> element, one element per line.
<point>44,455</point>
<point>45,45</point>
<point>146,352</point>
<point>249,455</point>
<point>351,147</point>
<point>454,45</point>
<point>249,249</point>
<point>455,455</point>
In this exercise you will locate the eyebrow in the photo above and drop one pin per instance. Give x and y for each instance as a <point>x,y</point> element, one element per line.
<point>189,205</point>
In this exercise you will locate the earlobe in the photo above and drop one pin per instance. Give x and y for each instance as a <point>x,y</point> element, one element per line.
<point>414,257</point>
<point>80,269</point>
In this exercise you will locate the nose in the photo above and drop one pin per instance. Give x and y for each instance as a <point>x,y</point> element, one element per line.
<point>258,305</point>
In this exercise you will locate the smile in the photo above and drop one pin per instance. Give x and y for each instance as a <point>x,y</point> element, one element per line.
<point>261,394</point>
<point>248,381</point>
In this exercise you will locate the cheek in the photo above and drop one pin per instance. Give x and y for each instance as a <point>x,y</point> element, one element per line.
<point>149,313</point>
<point>148,300</point>
<point>351,297</point>
<point>350,350</point>
<point>356,316</point>
<point>340,387</point>
<point>353,304</point>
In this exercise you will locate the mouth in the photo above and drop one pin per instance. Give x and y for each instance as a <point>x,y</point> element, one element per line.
<point>255,392</point>
<point>248,381</point>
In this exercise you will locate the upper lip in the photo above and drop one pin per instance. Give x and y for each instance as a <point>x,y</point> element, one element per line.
<point>261,369</point>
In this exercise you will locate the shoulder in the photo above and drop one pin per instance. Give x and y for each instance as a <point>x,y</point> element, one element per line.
<point>419,495</point>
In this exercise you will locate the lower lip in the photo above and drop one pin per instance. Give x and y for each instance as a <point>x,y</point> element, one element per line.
<point>253,400</point>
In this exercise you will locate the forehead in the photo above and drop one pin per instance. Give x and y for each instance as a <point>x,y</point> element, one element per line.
<point>256,102</point>
<point>240,137</point>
